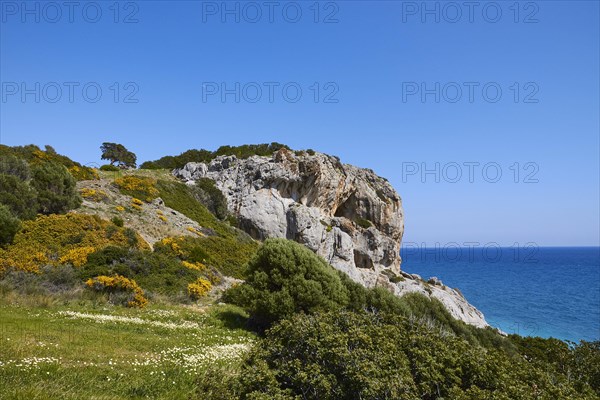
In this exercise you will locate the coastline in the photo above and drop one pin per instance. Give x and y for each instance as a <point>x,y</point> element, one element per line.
<point>556,295</point>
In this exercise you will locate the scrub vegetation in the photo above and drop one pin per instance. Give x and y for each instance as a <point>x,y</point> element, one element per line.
<point>90,308</point>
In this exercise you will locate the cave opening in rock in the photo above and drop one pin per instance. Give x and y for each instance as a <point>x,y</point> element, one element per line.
<point>347,208</point>
<point>362,260</point>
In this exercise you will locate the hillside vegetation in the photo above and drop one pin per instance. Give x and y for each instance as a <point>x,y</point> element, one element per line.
<point>206,156</point>
<point>125,283</point>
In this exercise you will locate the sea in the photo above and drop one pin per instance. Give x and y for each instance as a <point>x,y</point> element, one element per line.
<point>527,290</point>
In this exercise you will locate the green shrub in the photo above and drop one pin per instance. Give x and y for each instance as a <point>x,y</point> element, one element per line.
<point>363,223</point>
<point>118,221</point>
<point>84,173</point>
<point>56,188</point>
<point>109,168</point>
<point>249,150</point>
<point>50,281</point>
<point>32,154</point>
<point>172,162</point>
<point>17,167</point>
<point>211,197</point>
<point>348,355</point>
<point>286,278</point>
<point>46,187</point>
<point>206,156</point>
<point>63,239</point>
<point>9,225</point>
<point>232,220</point>
<point>394,278</point>
<point>153,272</point>
<point>18,196</point>
<point>580,362</point>
<point>218,382</point>
<point>585,362</point>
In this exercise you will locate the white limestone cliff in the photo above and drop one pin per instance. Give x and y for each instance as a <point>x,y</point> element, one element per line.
<point>348,215</point>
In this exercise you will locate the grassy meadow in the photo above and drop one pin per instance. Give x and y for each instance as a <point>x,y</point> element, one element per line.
<point>105,352</point>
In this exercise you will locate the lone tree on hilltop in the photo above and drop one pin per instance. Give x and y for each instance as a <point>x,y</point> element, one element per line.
<point>117,153</point>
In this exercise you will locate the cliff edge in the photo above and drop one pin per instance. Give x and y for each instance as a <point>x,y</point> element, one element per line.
<point>348,215</point>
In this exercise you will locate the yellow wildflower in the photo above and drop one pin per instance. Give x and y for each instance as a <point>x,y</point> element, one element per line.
<point>119,282</point>
<point>196,266</point>
<point>77,256</point>
<point>199,288</point>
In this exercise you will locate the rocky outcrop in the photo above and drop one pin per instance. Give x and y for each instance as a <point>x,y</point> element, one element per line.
<point>452,299</point>
<point>348,215</point>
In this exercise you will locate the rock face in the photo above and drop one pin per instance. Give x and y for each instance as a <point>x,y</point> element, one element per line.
<point>348,215</point>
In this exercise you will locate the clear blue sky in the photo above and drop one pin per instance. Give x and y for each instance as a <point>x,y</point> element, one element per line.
<point>371,56</point>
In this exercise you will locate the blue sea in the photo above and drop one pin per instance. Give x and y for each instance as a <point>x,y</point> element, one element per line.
<point>534,291</point>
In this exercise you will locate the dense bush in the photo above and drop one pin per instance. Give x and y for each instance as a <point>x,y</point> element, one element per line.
<point>52,281</point>
<point>585,364</point>
<point>134,295</point>
<point>32,154</point>
<point>33,181</point>
<point>118,221</point>
<point>579,362</point>
<point>347,355</point>
<point>56,188</point>
<point>9,225</point>
<point>154,272</point>
<point>199,288</point>
<point>249,150</point>
<point>205,156</point>
<point>49,239</point>
<point>109,168</point>
<point>17,167</point>
<point>172,162</point>
<point>334,339</point>
<point>285,278</point>
<point>18,196</point>
<point>84,173</point>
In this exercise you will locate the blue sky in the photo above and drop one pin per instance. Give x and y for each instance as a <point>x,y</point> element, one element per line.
<point>361,68</point>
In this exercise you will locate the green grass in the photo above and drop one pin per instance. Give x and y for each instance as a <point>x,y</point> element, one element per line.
<point>177,196</point>
<point>51,353</point>
<point>164,174</point>
<point>229,250</point>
